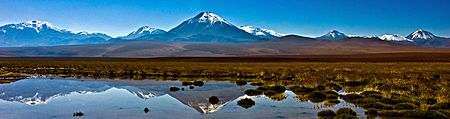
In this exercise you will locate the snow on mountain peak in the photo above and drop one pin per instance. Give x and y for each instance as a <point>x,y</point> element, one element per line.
<point>208,17</point>
<point>148,29</point>
<point>260,32</point>
<point>394,37</point>
<point>34,23</point>
<point>358,36</point>
<point>142,31</point>
<point>38,25</point>
<point>421,34</point>
<point>333,35</point>
<point>88,35</point>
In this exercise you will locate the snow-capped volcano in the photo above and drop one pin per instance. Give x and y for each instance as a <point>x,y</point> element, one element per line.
<point>333,35</point>
<point>144,30</point>
<point>394,37</point>
<point>421,35</point>
<point>419,38</point>
<point>208,26</point>
<point>263,33</point>
<point>38,26</point>
<point>428,39</point>
<point>38,33</point>
<point>207,17</point>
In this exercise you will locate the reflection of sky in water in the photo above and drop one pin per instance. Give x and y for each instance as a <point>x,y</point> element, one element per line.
<point>113,99</point>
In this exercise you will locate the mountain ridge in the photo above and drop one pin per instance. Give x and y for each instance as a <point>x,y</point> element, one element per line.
<point>205,27</point>
<point>142,31</point>
<point>37,33</point>
<point>287,45</point>
<point>262,33</point>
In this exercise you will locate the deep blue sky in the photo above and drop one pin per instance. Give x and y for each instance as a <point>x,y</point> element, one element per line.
<point>303,17</point>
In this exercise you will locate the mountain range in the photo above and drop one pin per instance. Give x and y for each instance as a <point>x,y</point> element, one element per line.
<point>37,33</point>
<point>38,38</point>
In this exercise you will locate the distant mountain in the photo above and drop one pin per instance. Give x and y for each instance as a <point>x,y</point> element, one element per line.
<point>208,26</point>
<point>37,33</point>
<point>144,30</point>
<point>205,27</point>
<point>85,34</point>
<point>90,40</point>
<point>262,33</point>
<point>356,36</point>
<point>286,45</point>
<point>421,35</point>
<point>394,37</point>
<point>333,35</point>
<point>420,38</point>
<point>427,39</point>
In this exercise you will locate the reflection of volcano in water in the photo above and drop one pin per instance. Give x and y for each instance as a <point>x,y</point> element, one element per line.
<point>41,91</point>
<point>198,98</point>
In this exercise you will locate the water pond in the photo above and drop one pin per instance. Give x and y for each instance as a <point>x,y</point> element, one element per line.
<point>87,98</point>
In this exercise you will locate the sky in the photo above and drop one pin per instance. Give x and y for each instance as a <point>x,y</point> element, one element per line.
<point>302,17</point>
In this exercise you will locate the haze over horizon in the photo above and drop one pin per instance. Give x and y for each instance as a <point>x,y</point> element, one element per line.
<point>301,17</point>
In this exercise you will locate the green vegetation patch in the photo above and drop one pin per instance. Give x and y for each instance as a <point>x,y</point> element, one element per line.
<point>345,116</point>
<point>346,111</point>
<point>424,114</point>
<point>327,113</point>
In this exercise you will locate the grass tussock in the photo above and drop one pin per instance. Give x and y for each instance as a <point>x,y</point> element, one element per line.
<point>424,114</point>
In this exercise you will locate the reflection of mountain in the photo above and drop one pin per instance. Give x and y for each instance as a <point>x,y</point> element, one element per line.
<point>198,98</point>
<point>41,91</point>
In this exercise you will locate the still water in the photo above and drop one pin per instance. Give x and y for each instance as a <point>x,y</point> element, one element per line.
<point>43,98</point>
